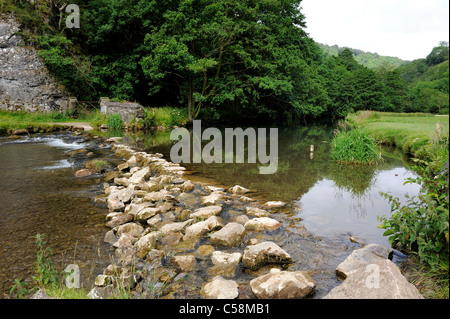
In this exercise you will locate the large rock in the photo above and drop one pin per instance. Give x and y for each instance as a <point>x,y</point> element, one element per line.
<point>119,219</point>
<point>206,212</point>
<point>230,235</point>
<point>139,176</point>
<point>147,213</point>
<point>212,199</point>
<point>256,256</point>
<point>130,228</point>
<point>115,204</point>
<point>185,263</point>
<point>239,190</point>
<point>262,223</point>
<point>257,212</point>
<point>25,84</point>
<point>147,243</point>
<point>174,227</point>
<point>135,209</point>
<point>202,228</point>
<point>225,264</point>
<point>380,280</point>
<point>220,288</point>
<point>362,257</point>
<point>283,285</point>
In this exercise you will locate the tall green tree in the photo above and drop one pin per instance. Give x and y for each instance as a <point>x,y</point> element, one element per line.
<point>238,55</point>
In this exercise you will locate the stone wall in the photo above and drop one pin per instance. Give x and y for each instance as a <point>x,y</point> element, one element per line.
<point>25,83</point>
<point>127,110</point>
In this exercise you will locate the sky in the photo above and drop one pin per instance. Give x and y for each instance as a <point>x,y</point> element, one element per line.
<point>408,29</point>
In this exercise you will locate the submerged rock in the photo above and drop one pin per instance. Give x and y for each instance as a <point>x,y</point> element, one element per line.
<point>85,172</point>
<point>185,263</point>
<point>257,212</point>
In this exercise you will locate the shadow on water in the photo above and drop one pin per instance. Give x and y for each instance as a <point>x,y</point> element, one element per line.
<point>41,195</point>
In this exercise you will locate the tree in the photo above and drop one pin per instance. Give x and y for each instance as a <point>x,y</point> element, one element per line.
<point>439,54</point>
<point>234,54</point>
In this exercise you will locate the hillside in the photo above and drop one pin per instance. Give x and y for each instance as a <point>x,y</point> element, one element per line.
<point>368,59</point>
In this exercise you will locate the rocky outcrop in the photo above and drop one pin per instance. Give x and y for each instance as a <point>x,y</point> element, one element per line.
<point>25,83</point>
<point>381,280</point>
<point>370,274</point>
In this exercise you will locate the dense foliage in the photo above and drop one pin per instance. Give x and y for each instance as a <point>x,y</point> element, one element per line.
<point>422,224</point>
<point>368,59</point>
<point>244,60</point>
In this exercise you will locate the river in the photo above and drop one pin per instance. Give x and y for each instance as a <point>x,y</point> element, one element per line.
<point>327,203</point>
<point>39,194</point>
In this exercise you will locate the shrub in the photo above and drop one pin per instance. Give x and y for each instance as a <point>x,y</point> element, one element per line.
<point>422,224</point>
<point>354,147</point>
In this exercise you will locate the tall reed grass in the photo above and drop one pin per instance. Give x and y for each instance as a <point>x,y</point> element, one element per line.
<point>355,147</point>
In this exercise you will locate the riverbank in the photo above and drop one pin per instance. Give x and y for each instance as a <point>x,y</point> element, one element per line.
<point>19,123</point>
<point>418,135</point>
<point>425,139</point>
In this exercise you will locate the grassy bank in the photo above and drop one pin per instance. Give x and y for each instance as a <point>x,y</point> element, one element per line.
<point>419,227</point>
<point>419,135</point>
<point>161,117</point>
<point>41,122</point>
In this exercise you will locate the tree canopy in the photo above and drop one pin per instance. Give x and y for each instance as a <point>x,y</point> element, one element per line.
<point>246,60</point>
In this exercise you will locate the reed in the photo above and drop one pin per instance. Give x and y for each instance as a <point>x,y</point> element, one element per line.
<point>355,147</point>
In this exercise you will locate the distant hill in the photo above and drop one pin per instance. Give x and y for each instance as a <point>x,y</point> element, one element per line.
<point>371,60</point>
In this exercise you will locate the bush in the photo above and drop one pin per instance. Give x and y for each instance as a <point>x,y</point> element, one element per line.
<point>354,147</point>
<point>421,226</point>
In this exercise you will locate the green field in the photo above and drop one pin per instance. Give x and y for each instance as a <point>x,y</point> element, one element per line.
<point>419,135</point>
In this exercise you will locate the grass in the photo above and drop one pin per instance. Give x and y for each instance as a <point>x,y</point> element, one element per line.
<point>419,135</point>
<point>10,121</point>
<point>166,116</point>
<point>355,147</point>
<point>161,117</point>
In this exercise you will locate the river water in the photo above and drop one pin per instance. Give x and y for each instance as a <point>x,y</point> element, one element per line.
<point>327,203</point>
<point>331,199</point>
<point>39,194</point>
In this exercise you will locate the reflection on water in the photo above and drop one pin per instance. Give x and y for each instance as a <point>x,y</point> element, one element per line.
<point>330,199</point>
<point>329,209</point>
<point>39,194</point>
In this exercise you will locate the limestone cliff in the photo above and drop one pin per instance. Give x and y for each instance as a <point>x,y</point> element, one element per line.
<point>25,83</point>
